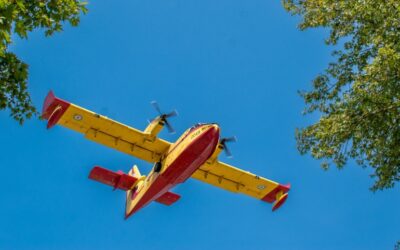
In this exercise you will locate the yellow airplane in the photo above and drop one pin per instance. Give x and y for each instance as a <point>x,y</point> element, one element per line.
<point>194,154</point>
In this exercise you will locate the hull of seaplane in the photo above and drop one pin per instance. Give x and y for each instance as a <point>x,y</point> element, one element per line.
<point>185,156</point>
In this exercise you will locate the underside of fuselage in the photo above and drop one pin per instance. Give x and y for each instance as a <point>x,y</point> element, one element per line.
<point>183,158</point>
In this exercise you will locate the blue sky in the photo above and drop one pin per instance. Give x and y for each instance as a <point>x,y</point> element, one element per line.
<point>233,62</point>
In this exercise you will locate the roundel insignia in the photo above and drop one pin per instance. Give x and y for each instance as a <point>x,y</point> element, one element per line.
<point>77,117</point>
<point>261,187</point>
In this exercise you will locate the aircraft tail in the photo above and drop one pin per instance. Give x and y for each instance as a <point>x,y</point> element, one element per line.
<point>131,183</point>
<point>135,172</point>
<point>132,198</point>
<point>131,194</point>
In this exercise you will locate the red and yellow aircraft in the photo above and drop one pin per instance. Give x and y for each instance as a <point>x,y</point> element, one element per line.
<point>194,154</point>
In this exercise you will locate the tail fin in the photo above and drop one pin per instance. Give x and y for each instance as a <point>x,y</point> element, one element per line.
<point>132,193</point>
<point>135,172</point>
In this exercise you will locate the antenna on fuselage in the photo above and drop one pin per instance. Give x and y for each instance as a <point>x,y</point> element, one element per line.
<point>164,116</point>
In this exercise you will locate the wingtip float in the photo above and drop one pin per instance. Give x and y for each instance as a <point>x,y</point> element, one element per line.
<point>194,154</point>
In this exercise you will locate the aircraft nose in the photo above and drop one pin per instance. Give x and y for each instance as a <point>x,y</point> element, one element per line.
<point>215,127</point>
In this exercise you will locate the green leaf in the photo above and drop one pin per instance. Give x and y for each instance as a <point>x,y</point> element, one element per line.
<point>23,17</point>
<point>358,95</point>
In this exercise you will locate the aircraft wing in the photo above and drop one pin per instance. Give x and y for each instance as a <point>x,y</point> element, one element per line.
<point>103,130</point>
<point>236,180</point>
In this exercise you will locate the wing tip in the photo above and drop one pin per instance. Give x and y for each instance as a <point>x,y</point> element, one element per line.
<point>53,108</point>
<point>277,196</point>
<point>279,202</point>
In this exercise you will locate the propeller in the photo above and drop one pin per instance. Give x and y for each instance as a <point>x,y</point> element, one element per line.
<point>164,116</point>
<point>224,142</point>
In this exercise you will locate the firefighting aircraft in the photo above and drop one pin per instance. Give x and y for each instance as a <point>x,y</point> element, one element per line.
<point>194,154</point>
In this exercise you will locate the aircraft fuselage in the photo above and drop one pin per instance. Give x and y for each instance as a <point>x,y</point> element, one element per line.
<point>183,158</point>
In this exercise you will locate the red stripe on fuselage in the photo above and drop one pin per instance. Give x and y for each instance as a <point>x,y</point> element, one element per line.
<point>184,165</point>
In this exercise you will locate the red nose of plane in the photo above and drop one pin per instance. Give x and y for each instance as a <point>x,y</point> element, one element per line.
<point>215,127</point>
<point>214,130</point>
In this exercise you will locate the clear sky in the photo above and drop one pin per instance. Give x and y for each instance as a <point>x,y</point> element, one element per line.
<point>238,63</point>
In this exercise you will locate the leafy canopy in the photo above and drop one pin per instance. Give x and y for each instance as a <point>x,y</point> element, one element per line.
<point>358,94</point>
<point>20,17</point>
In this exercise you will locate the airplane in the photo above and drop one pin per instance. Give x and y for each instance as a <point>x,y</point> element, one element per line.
<point>194,154</point>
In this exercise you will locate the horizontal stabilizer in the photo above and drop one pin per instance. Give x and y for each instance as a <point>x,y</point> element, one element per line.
<point>118,179</point>
<point>168,198</point>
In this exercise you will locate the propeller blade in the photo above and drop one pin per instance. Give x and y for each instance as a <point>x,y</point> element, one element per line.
<point>164,116</point>
<point>172,114</point>
<point>228,153</point>
<point>155,105</point>
<point>169,127</point>
<point>229,139</point>
<point>225,146</point>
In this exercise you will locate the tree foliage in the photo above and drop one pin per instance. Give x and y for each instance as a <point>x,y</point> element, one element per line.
<point>20,17</point>
<point>358,94</point>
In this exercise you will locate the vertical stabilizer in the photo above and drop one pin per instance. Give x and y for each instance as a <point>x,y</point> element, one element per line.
<point>133,192</point>
<point>135,172</point>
